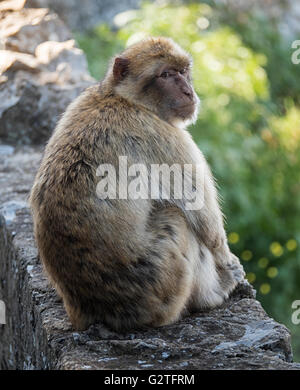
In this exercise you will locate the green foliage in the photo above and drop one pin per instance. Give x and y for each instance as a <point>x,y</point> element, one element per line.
<point>99,45</point>
<point>248,128</point>
<point>263,36</point>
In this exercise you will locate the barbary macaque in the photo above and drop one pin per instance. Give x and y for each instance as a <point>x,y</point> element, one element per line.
<point>130,263</point>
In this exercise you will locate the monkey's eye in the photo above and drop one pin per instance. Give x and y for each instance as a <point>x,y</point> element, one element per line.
<point>183,71</point>
<point>165,74</point>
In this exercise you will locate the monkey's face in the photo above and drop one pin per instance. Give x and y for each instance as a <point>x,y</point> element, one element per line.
<point>155,73</point>
<point>174,95</point>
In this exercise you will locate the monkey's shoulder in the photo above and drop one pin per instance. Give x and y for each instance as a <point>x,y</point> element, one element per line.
<point>98,109</point>
<point>101,125</point>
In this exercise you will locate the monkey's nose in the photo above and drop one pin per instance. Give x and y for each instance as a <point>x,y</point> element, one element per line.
<point>184,86</point>
<point>187,91</point>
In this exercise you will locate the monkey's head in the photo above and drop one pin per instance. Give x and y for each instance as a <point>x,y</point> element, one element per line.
<point>155,73</point>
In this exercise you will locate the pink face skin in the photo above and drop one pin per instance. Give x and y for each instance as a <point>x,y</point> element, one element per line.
<point>177,95</point>
<point>168,92</point>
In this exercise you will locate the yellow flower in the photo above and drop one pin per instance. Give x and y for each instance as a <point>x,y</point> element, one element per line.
<point>246,255</point>
<point>291,245</point>
<point>272,272</point>
<point>265,288</point>
<point>233,238</point>
<point>276,249</point>
<point>251,277</point>
<point>263,262</point>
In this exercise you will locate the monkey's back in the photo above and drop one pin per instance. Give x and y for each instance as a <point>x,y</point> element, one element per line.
<point>101,255</point>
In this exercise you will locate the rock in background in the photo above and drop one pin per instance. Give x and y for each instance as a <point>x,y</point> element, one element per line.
<point>286,12</point>
<point>41,72</point>
<point>81,15</point>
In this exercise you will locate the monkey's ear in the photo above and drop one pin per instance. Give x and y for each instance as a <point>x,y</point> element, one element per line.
<point>120,69</point>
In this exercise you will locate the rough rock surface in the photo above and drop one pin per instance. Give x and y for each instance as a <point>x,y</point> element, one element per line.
<point>38,334</point>
<point>85,14</point>
<point>41,72</point>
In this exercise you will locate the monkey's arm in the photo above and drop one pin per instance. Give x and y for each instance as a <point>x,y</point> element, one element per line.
<point>207,220</point>
<point>212,229</point>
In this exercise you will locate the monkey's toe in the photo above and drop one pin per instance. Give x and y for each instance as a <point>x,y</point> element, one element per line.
<point>237,269</point>
<point>231,276</point>
<point>239,274</point>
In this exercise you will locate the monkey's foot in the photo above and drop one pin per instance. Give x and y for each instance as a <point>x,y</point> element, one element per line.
<point>224,258</point>
<point>237,269</point>
<point>231,275</point>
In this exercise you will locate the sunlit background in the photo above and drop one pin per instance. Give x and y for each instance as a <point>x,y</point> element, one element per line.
<point>248,128</point>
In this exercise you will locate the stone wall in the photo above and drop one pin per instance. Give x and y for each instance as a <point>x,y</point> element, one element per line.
<point>38,334</point>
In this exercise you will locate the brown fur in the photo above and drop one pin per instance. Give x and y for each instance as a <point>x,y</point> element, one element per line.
<point>123,262</point>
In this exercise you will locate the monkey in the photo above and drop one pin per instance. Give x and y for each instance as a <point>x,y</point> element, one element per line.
<point>131,263</point>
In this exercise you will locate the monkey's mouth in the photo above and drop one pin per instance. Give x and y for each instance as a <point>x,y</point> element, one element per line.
<point>185,111</point>
<point>187,106</point>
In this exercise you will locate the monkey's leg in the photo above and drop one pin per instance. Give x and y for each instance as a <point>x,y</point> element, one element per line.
<point>174,287</point>
<point>80,319</point>
<point>212,282</point>
<point>151,289</point>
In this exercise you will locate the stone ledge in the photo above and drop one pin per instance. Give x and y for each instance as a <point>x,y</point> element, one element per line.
<point>38,334</point>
